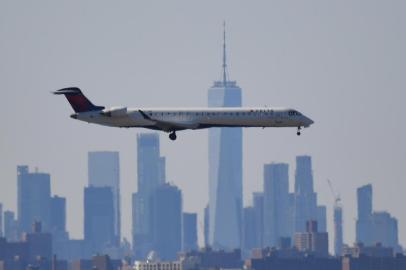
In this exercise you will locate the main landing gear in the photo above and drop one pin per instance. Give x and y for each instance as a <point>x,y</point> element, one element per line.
<point>298,131</point>
<point>172,135</point>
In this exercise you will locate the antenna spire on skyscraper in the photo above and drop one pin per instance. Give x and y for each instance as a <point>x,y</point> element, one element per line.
<point>224,55</point>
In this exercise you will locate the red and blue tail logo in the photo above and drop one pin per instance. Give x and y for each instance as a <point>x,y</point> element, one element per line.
<point>77,100</point>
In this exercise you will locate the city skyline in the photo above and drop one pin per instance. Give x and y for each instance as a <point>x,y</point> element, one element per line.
<point>276,177</point>
<point>340,62</point>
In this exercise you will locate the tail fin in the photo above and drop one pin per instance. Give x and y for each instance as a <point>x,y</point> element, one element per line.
<point>77,100</point>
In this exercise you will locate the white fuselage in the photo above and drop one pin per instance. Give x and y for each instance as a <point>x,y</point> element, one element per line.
<point>195,118</point>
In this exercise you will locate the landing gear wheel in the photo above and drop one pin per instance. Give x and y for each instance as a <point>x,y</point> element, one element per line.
<point>172,135</point>
<point>298,131</point>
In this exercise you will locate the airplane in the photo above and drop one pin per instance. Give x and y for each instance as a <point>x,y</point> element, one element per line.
<point>176,119</point>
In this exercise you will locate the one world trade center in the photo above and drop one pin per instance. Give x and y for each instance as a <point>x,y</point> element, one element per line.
<point>225,168</point>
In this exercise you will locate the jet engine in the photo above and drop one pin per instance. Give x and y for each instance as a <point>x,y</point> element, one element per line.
<point>115,112</point>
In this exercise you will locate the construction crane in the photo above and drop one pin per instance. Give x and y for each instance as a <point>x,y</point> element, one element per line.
<point>338,221</point>
<point>336,196</point>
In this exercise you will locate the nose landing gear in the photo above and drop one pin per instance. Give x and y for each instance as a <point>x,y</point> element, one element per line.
<point>172,135</point>
<point>298,131</point>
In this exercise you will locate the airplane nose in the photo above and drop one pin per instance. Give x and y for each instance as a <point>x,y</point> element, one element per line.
<point>309,121</point>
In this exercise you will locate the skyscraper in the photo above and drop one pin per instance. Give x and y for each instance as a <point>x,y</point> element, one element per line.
<point>375,227</point>
<point>10,226</point>
<point>385,230</point>
<point>225,168</point>
<point>206,226</point>
<point>58,213</point>
<point>292,216</point>
<point>162,170</point>
<point>305,205</point>
<point>276,203</point>
<point>258,198</point>
<point>151,172</point>
<point>58,218</point>
<point>39,243</point>
<point>166,210</point>
<point>34,198</point>
<point>1,220</point>
<point>99,218</point>
<point>364,199</point>
<point>189,235</point>
<point>60,236</point>
<point>249,230</point>
<point>338,230</point>
<point>104,171</point>
<point>363,226</point>
<point>322,218</point>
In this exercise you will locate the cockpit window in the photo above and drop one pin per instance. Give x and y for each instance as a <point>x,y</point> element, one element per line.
<point>294,113</point>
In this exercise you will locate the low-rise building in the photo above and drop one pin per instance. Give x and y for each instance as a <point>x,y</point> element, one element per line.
<point>312,241</point>
<point>207,258</point>
<point>153,262</point>
<point>99,262</point>
<point>34,249</point>
<point>375,263</point>
<point>175,265</point>
<point>304,263</point>
<point>359,250</point>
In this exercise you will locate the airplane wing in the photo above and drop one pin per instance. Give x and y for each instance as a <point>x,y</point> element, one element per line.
<point>170,125</point>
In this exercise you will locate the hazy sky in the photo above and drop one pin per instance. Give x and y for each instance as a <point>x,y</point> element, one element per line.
<point>342,63</point>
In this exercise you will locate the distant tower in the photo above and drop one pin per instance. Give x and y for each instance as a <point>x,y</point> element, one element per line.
<point>364,199</point>
<point>375,227</point>
<point>305,205</point>
<point>206,226</point>
<point>58,214</point>
<point>10,226</point>
<point>276,203</point>
<point>1,220</point>
<point>249,230</point>
<point>99,218</point>
<point>34,199</point>
<point>338,230</point>
<point>258,199</point>
<point>322,218</point>
<point>104,171</point>
<point>189,232</point>
<point>385,230</point>
<point>338,222</point>
<point>225,168</point>
<point>151,174</point>
<point>364,221</point>
<point>58,219</point>
<point>166,213</point>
